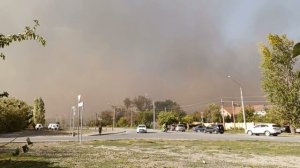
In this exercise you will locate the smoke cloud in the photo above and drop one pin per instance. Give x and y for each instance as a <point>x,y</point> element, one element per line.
<point>109,50</point>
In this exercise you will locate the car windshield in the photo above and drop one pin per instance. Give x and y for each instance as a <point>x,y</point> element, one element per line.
<point>142,126</point>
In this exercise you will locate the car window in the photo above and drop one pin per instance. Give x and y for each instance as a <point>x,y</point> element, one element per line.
<point>275,126</point>
<point>257,126</point>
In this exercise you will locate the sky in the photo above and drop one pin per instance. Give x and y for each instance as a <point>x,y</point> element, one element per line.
<point>107,50</point>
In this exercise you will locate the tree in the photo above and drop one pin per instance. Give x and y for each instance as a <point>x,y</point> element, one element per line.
<point>15,115</point>
<point>280,81</point>
<point>106,117</point>
<point>213,113</point>
<point>146,117</point>
<point>167,117</point>
<point>197,116</point>
<point>4,94</point>
<point>38,111</point>
<point>167,105</point>
<point>188,119</point>
<point>142,103</point>
<point>122,122</point>
<point>127,102</point>
<point>28,34</point>
<point>249,112</point>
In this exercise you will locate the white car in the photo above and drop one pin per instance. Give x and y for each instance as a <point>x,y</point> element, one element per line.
<point>180,127</point>
<point>53,126</point>
<point>141,128</point>
<point>38,126</point>
<point>267,129</point>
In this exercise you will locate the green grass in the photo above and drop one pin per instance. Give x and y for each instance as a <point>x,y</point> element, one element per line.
<point>148,153</point>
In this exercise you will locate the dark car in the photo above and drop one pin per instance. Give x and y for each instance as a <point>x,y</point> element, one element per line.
<point>215,129</point>
<point>199,128</point>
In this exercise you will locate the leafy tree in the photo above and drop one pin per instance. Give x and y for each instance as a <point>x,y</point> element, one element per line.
<point>188,119</point>
<point>213,113</point>
<point>167,117</point>
<point>122,122</point>
<point>249,113</point>
<point>127,102</point>
<point>15,115</point>
<point>4,94</point>
<point>142,103</point>
<point>28,34</point>
<point>106,117</point>
<point>196,116</point>
<point>280,81</point>
<point>145,117</point>
<point>38,111</point>
<point>167,105</point>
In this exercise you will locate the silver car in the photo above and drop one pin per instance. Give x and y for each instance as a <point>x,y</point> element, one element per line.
<point>267,129</point>
<point>180,127</point>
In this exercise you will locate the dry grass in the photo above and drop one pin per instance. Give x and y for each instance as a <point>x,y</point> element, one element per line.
<point>154,153</point>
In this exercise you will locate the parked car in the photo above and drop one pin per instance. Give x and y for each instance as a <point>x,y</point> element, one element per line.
<point>141,128</point>
<point>180,127</point>
<point>267,129</point>
<point>215,128</point>
<point>53,126</point>
<point>38,126</point>
<point>199,128</point>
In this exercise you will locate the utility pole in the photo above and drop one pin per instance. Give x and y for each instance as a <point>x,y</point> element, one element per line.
<point>153,114</point>
<point>71,113</point>
<point>233,113</point>
<point>223,112</point>
<point>114,117</point>
<point>130,117</point>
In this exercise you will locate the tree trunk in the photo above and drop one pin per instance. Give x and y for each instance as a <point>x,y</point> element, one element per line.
<point>293,131</point>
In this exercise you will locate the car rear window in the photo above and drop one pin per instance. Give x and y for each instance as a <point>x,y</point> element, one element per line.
<point>275,126</point>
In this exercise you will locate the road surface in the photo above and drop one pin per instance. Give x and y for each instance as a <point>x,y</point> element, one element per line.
<point>119,134</point>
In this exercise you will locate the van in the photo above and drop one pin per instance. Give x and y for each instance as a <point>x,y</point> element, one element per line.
<point>53,126</point>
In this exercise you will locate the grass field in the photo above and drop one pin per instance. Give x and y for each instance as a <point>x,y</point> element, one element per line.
<point>154,153</point>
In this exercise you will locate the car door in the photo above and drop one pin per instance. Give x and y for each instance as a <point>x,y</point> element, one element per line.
<point>256,129</point>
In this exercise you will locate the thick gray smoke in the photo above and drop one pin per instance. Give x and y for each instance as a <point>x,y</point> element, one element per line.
<point>109,50</point>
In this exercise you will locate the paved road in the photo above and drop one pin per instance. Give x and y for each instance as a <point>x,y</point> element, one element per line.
<point>118,134</point>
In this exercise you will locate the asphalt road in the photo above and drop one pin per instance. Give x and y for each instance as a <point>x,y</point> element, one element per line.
<point>119,134</point>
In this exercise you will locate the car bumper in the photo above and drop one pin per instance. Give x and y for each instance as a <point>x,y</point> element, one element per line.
<point>141,131</point>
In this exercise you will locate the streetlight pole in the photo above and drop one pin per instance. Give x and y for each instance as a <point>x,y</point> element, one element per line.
<point>242,100</point>
<point>73,114</point>
<point>153,114</point>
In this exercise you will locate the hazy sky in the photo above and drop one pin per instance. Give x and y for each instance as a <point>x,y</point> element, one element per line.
<point>109,50</point>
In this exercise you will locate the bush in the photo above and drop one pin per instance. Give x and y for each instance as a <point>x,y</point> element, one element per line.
<point>15,115</point>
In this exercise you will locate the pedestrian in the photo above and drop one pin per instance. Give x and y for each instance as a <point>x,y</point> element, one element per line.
<point>100,129</point>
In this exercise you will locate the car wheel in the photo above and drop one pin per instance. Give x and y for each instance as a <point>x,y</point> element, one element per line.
<point>267,133</point>
<point>204,131</point>
<point>249,133</point>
